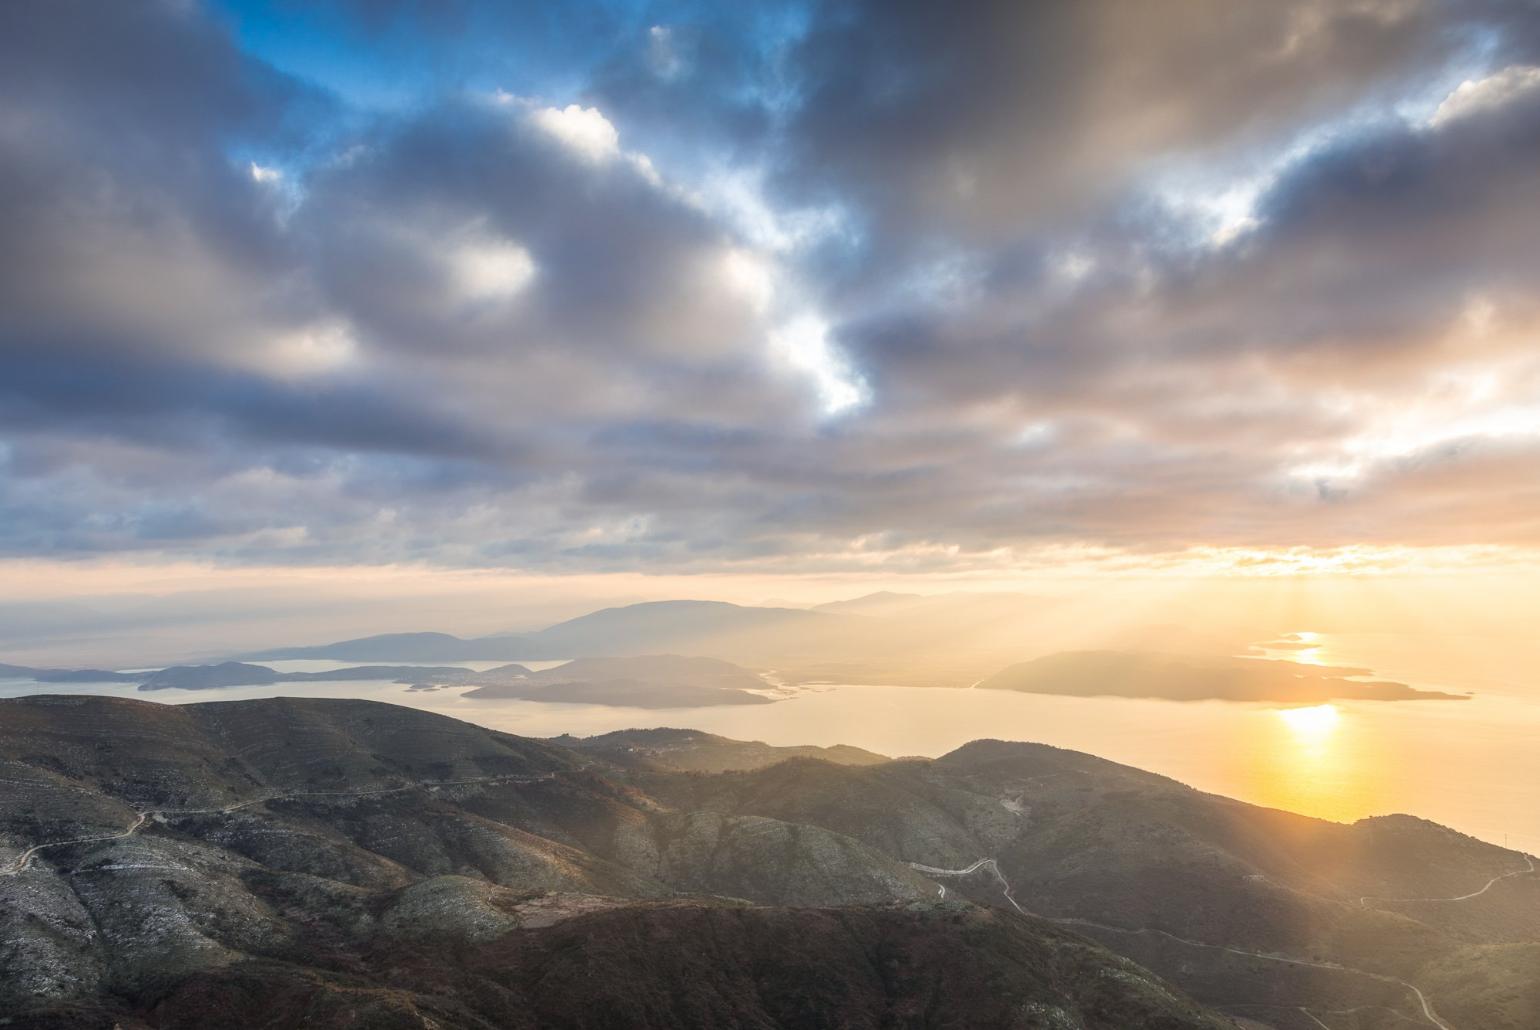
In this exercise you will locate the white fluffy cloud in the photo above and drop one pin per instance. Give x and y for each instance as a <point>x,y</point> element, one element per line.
<point>490,269</point>
<point>584,129</point>
<point>1474,95</point>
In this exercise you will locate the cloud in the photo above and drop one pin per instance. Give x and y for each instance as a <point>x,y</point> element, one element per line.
<point>856,285</point>
<point>491,269</point>
<point>262,174</point>
<point>804,344</point>
<point>1011,111</point>
<point>584,129</point>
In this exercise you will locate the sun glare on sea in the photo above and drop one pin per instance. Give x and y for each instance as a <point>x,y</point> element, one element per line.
<point>1311,725</point>
<point>1305,760</point>
<point>1310,652</point>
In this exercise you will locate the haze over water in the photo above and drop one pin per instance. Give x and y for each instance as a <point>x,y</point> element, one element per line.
<point>1471,764</point>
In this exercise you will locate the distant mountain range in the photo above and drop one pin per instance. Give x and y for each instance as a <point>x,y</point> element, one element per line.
<point>901,639</point>
<point>869,640</point>
<point>645,681</point>
<point>679,627</point>
<point>67,675</point>
<point>347,863</point>
<point>244,674</point>
<point>1188,678</point>
<point>885,638</point>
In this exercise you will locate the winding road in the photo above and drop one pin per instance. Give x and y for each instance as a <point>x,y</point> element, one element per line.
<point>22,861</point>
<point>983,863</point>
<point>1494,881</point>
<point>1314,1018</point>
<point>25,858</point>
<point>1428,1012</point>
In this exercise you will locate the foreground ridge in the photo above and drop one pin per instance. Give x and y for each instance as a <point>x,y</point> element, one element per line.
<point>198,851</point>
<point>994,867</point>
<point>21,863</point>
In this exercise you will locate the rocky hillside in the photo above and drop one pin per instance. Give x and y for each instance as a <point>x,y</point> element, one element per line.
<point>346,860</point>
<point>696,751</point>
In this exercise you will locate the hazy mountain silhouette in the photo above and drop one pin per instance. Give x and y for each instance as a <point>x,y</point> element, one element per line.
<point>1190,678</point>
<point>702,627</point>
<point>645,681</point>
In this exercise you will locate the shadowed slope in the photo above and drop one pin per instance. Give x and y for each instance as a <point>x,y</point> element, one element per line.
<point>159,850</point>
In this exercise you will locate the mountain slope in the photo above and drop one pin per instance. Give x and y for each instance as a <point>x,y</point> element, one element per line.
<point>694,751</point>
<point>320,845</point>
<point>402,647</point>
<point>1218,895</point>
<point>712,628</point>
<point>637,966</point>
<point>341,863</point>
<point>684,627</point>
<point>644,681</point>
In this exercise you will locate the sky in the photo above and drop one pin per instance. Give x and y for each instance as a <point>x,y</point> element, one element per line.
<point>763,292</point>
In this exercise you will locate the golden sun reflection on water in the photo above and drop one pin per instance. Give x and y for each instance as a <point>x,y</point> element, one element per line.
<point>1310,760</point>
<point>1312,726</point>
<point>1310,653</point>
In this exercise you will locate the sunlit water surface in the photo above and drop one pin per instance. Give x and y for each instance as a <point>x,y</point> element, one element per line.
<point>1473,765</point>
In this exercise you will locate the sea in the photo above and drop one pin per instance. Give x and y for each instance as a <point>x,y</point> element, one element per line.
<point>1471,764</point>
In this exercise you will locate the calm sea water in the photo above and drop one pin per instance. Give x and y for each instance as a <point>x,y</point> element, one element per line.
<point>1473,765</point>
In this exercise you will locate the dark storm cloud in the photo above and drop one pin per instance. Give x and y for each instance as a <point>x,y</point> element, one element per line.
<point>1002,111</point>
<point>165,401</point>
<point>157,70</point>
<point>241,318</point>
<point>116,117</point>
